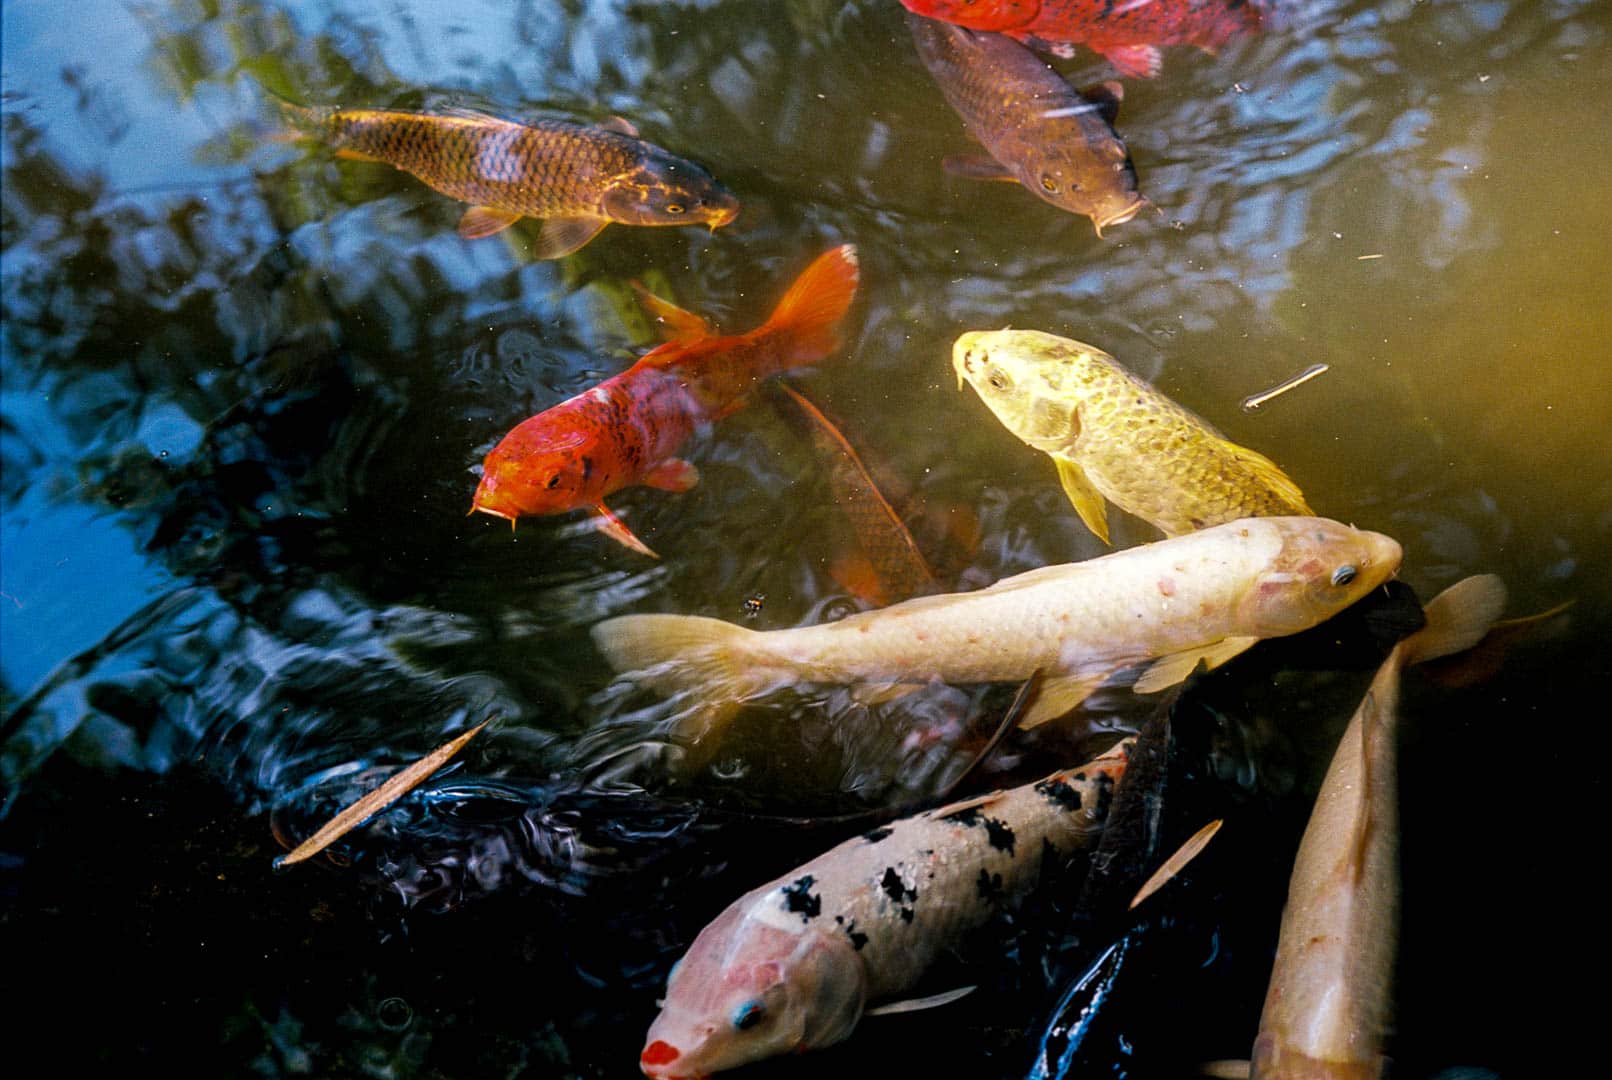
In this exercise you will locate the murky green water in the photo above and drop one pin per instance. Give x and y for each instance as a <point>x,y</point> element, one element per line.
<point>246,387</point>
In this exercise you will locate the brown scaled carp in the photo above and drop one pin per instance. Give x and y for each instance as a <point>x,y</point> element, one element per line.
<point>578,178</point>
<point>1059,143</point>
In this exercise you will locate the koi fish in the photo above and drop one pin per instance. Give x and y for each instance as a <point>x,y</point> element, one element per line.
<point>1204,597</point>
<point>1327,1004</point>
<point>1058,143</point>
<point>1113,436</point>
<point>627,429</point>
<point>579,178</point>
<point>791,965</point>
<point>1125,34</point>
<point>890,566</point>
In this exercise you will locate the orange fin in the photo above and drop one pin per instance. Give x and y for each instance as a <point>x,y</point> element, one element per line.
<point>854,572</point>
<point>673,474</point>
<point>811,310</point>
<point>621,126</point>
<point>613,527</point>
<point>1135,61</point>
<point>561,236</point>
<point>1178,861</point>
<point>977,167</point>
<point>484,221</point>
<point>672,322</point>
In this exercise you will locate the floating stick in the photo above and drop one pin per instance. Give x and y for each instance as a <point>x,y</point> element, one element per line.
<point>1252,402</point>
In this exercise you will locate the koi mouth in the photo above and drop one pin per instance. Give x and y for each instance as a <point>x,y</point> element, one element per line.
<point>477,506</point>
<point>724,218</point>
<point>1122,216</point>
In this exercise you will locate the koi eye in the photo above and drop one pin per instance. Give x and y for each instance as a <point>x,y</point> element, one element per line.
<point>1049,185</point>
<point>674,208</point>
<point>554,481</point>
<point>997,380</point>
<point>748,1015</point>
<point>1343,575</point>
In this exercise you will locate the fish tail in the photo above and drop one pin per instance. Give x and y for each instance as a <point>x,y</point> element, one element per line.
<point>301,121</point>
<point>1457,618</point>
<point>715,664</point>
<point>807,318</point>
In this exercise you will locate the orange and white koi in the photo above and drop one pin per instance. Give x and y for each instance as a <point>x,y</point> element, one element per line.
<point>627,429</point>
<point>791,965</point>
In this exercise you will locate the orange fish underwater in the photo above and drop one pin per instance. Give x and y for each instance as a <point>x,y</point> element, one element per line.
<point>1126,33</point>
<point>627,430</point>
<point>578,178</point>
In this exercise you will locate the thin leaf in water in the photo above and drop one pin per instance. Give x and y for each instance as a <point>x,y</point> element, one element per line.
<point>1174,864</point>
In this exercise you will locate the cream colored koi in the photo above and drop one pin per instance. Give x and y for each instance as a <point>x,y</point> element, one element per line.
<point>1204,597</point>
<point>1114,437</point>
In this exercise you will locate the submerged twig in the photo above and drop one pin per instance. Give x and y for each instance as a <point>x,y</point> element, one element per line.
<point>1175,863</point>
<point>1252,402</point>
<point>375,801</point>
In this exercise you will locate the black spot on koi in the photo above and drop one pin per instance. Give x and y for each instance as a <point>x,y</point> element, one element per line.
<point>873,836</point>
<point>1060,793</point>
<point>968,817</point>
<point>999,834</point>
<point>798,898</point>
<point>858,939</point>
<point>895,888</point>
<point>989,886</point>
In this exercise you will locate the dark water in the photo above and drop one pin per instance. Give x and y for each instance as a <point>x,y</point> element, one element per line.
<point>246,388</point>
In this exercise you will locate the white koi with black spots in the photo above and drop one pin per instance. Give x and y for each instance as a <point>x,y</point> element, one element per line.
<point>790,966</point>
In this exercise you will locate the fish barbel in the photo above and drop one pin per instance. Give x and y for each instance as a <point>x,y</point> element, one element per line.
<point>579,178</point>
<point>1204,597</point>
<point>1326,1008</point>
<point>1126,34</point>
<point>1113,436</point>
<point>1059,143</point>
<point>791,965</point>
<point>627,430</point>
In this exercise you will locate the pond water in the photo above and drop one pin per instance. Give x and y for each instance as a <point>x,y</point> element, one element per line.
<point>248,387</point>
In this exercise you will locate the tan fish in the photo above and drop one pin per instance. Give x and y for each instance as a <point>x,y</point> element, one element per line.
<point>1059,143</point>
<point>1327,1005</point>
<point>1113,436</point>
<point>791,965</point>
<point>1204,597</point>
<point>579,178</point>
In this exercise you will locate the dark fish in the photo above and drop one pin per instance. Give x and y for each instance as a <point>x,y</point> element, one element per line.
<point>1125,33</point>
<point>579,178</point>
<point>1058,142</point>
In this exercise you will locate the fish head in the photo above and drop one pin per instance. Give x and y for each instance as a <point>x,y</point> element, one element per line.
<point>1035,383</point>
<point>978,14</point>
<point>534,471</point>
<point>666,190</point>
<point>752,988</point>
<point>1320,568</point>
<point>1082,168</point>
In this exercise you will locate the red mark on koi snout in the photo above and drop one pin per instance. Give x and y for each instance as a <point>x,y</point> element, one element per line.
<point>659,1052</point>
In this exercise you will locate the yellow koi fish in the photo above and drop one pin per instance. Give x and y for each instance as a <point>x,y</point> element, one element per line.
<point>1113,436</point>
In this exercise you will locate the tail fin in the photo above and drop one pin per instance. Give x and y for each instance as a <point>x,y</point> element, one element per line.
<point>715,663</point>
<point>1457,618</point>
<point>810,312</point>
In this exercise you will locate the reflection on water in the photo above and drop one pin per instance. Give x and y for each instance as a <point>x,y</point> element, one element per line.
<point>246,388</point>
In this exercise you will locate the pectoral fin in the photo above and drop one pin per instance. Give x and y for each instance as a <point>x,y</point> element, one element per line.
<point>1134,61</point>
<point>1087,499</point>
<point>933,1001</point>
<point>621,126</point>
<point>613,527</point>
<point>672,322</point>
<point>484,221</point>
<point>673,474</point>
<point>561,236</point>
<point>1174,668</point>
<point>880,693</point>
<point>1058,695</point>
<point>977,167</point>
